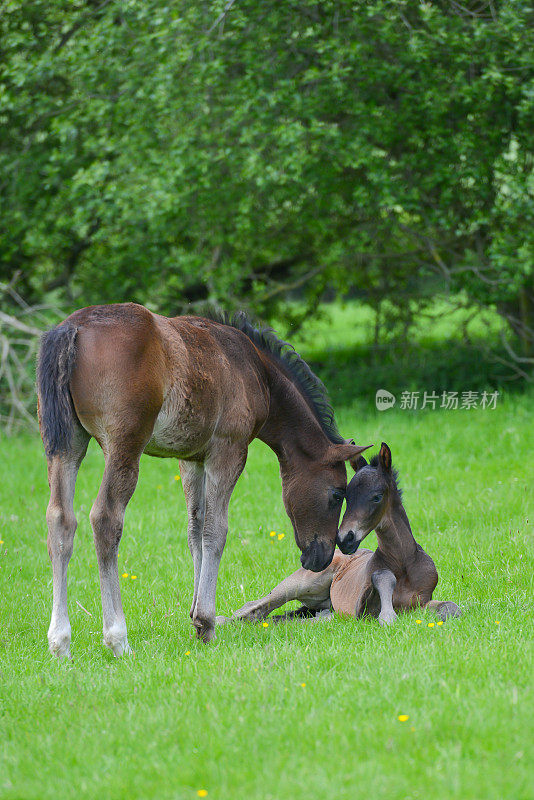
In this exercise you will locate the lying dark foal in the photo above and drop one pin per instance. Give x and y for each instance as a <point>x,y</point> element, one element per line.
<point>398,575</point>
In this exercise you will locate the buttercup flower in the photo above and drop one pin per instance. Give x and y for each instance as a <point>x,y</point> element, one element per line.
<point>124,574</point>
<point>418,621</point>
<point>177,478</point>
<point>440,622</point>
<point>280,536</point>
<point>496,621</point>
<point>188,652</point>
<point>265,624</point>
<point>303,685</point>
<point>202,792</point>
<point>403,717</point>
<point>134,577</point>
<point>431,624</point>
<point>272,533</point>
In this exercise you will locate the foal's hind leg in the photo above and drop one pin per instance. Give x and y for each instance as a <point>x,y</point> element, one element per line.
<point>62,472</point>
<point>444,608</point>
<point>107,519</point>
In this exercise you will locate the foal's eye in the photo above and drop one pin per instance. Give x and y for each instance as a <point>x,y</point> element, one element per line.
<point>338,495</point>
<point>377,498</point>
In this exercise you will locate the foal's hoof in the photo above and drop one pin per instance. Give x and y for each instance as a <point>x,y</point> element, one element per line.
<point>448,609</point>
<point>388,618</point>
<point>251,612</point>
<point>59,644</point>
<point>119,649</point>
<point>205,631</point>
<point>61,650</point>
<point>115,638</point>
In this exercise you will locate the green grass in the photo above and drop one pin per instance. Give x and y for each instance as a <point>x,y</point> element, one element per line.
<point>233,717</point>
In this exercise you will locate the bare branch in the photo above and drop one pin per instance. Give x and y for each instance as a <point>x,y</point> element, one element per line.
<point>79,24</point>
<point>13,322</point>
<point>221,16</point>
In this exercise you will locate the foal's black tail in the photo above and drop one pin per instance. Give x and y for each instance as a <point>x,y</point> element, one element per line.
<point>57,357</point>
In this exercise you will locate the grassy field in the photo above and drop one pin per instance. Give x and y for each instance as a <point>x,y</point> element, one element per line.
<point>296,710</point>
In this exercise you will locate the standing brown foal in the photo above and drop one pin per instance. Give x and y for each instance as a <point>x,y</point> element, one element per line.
<point>399,575</point>
<point>192,388</point>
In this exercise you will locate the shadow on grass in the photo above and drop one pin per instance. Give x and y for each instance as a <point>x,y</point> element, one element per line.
<point>356,372</point>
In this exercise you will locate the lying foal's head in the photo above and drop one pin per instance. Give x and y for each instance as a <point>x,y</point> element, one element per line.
<point>369,496</point>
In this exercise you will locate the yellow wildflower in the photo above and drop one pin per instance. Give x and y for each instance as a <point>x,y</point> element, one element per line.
<point>177,478</point>
<point>188,652</point>
<point>303,685</point>
<point>1,541</point>
<point>272,533</point>
<point>431,624</point>
<point>124,574</point>
<point>418,621</point>
<point>403,717</point>
<point>134,577</point>
<point>440,622</point>
<point>265,624</point>
<point>202,792</point>
<point>496,621</point>
<point>280,536</point>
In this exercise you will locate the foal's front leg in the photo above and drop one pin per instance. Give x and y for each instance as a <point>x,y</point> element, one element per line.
<point>223,467</point>
<point>194,483</point>
<point>384,582</point>
<point>287,590</point>
<point>311,588</point>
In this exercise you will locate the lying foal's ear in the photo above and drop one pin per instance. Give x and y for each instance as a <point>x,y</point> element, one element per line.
<point>346,451</point>
<point>358,463</point>
<point>384,457</point>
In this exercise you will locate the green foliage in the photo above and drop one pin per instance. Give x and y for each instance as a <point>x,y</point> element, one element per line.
<point>149,154</point>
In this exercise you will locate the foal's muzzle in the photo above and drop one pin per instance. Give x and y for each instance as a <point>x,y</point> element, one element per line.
<point>347,542</point>
<point>315,557</point>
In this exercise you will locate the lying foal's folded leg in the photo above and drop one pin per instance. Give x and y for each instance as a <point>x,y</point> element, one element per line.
<point>384,582</point>
<point>311,588</point>
<point>444,608</point>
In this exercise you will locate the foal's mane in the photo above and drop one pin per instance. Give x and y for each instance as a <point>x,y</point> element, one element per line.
<point>284,354</point>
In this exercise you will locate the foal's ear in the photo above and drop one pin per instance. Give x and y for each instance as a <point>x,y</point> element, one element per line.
<point>346,451</point>
<point>358,463</point>
<point>384,457</point>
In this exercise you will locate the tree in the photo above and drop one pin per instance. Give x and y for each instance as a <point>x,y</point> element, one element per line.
<point>150,154</point>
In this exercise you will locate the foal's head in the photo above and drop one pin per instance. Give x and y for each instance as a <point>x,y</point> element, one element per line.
<point>370,494</point>
<point>313,496</point>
